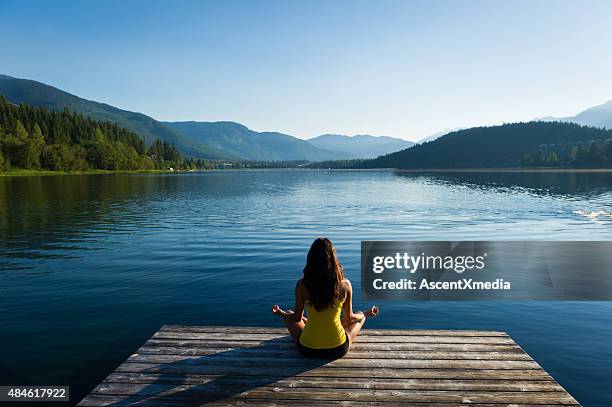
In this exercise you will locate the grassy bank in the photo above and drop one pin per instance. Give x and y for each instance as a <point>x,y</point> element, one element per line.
<point>23,173</point>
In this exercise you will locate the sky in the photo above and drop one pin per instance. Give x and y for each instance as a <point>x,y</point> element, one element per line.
<point>399,68</point>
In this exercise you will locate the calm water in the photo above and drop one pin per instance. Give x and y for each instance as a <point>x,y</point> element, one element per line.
<point>91,266</point>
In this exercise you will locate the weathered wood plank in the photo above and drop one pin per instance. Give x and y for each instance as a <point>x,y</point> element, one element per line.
<point>343,362</point>
<point>331,371</point>
<point>368,332</point>
<point>214,392</point>
<point>323,382</point>
<point>213,343</point>
<point>186,366</point>
<point>99,400</point>
<point>292,352</point>
<point>362,339</point>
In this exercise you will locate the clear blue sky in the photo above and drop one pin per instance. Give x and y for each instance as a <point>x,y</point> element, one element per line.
<point>398,68</point>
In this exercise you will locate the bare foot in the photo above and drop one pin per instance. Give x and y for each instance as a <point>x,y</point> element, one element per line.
<point>372,312</point>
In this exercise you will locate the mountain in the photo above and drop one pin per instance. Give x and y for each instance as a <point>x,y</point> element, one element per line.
<point>496,146</point>
<point>35,138</point>
<point>360,146</point>
<point>39,94</point>
<point>211,140</point>
<point>240,141</point>
<point>437,135</point>
<point>596,116</point>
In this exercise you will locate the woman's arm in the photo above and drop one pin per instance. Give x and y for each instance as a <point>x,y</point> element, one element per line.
<point>298,313</point>
<point>349,316</point>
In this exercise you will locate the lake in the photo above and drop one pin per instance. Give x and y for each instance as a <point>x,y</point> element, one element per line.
<point>92,265</point>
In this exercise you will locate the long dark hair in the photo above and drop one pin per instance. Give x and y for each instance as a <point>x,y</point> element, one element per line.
<point>323,274</point>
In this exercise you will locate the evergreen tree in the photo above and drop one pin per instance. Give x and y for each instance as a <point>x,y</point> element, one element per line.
<point>33,148</point>
<point>35,138</point>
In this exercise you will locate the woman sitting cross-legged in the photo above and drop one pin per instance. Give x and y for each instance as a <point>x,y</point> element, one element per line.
<point>325,293</point>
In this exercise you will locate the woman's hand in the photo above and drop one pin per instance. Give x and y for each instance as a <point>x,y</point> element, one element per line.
<point>372,312</point>
<point>278,311</point>
<point>359,316</point>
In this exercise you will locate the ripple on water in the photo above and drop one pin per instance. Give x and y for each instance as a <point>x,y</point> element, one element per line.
<point>112,258</point>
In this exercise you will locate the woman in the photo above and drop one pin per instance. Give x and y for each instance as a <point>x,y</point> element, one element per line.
<point>325,293</point>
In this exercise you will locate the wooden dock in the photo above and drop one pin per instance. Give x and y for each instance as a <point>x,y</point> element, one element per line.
<point>197,365</point>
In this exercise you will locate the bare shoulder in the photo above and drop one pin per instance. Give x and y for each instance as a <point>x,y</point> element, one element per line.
<point>300,286</point>
<point>346,285</point>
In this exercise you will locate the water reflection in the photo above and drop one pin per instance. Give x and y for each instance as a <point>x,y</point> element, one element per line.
<point>85,256</point>
<point>50,216</point>
<point>564,184</point>
<point>62,216</point>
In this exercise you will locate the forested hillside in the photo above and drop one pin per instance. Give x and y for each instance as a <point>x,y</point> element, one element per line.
<point>38,94</point>
<point>237,140</point>
<point>508,145</point>
<point>38,138</point>
<point>594,154</point>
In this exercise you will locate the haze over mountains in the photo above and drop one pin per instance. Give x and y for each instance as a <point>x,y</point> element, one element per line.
<point>474,147</point>
<point>596,116</point>
<point>238,140</point>
<point>360,146</point>
<point>207,140</point>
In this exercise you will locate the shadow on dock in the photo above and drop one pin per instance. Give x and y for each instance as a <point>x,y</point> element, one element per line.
<point>170,382</point>
<point>221,365</point>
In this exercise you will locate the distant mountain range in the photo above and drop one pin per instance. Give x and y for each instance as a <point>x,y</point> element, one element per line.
<point>239,141</point>
<point>209,140</point>
<point>596,116</point>
<point>474,147</point>
<point>360,146</point>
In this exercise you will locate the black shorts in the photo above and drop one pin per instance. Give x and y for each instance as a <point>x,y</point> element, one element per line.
<point>330,353</point>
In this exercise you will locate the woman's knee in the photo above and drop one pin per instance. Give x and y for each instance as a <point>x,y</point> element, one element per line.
<point>354,328</point>
<point>349,324</point>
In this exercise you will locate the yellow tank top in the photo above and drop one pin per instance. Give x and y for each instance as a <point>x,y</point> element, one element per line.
<point>323,329</point>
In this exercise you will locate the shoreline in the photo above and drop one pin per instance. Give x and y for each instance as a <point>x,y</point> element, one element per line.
<point>26,173</point>
<point>516,169</point>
